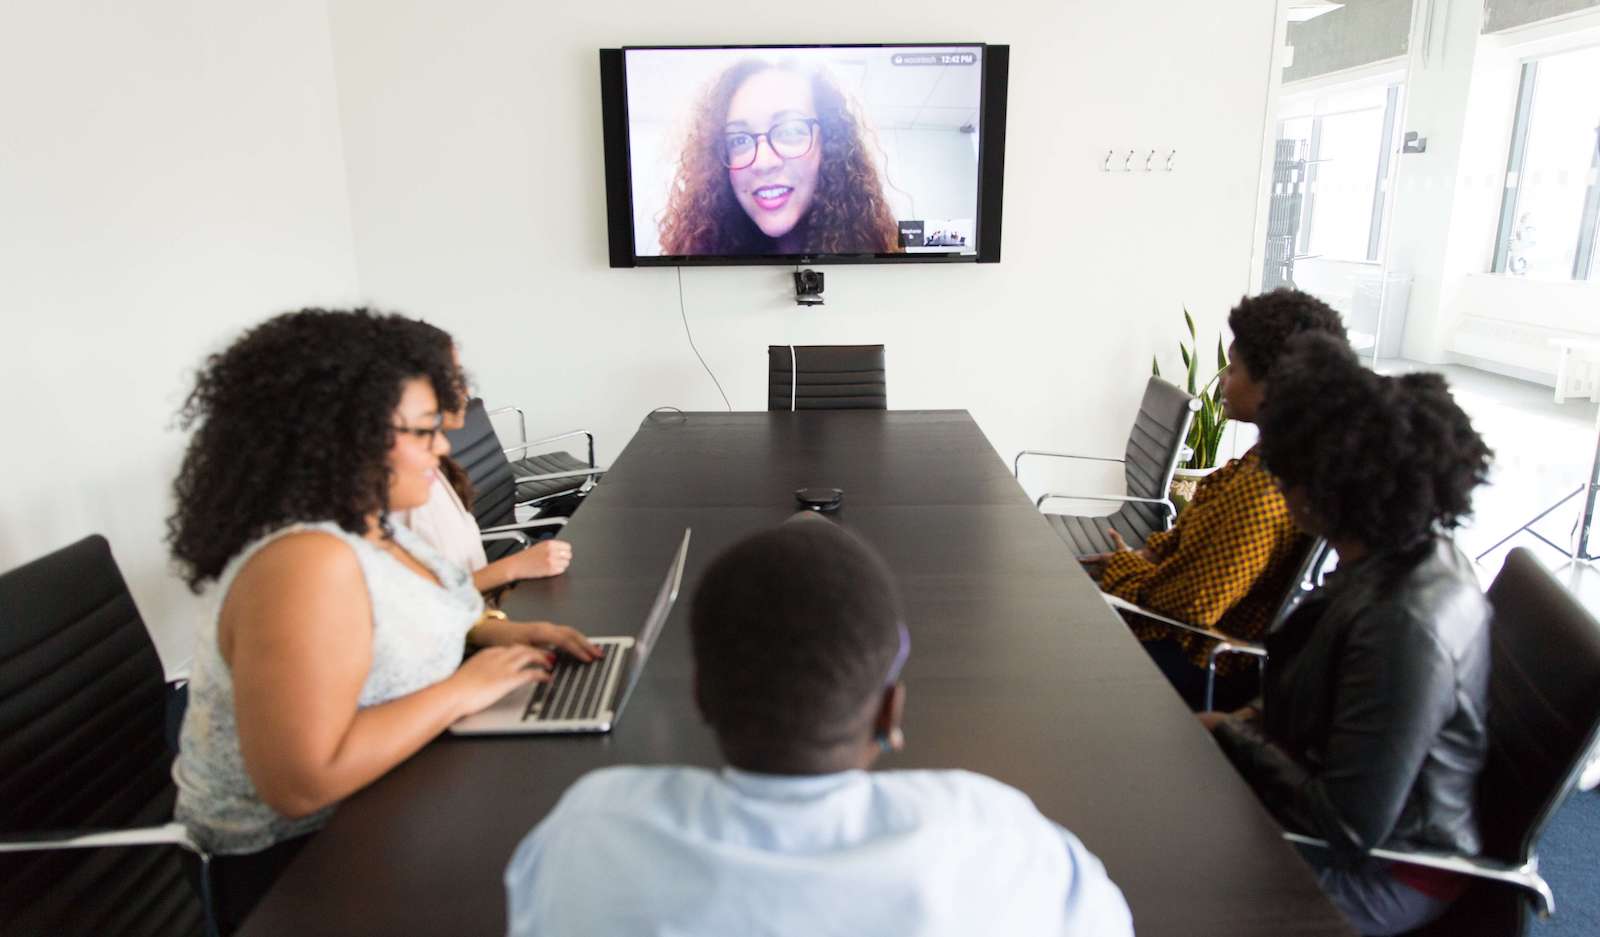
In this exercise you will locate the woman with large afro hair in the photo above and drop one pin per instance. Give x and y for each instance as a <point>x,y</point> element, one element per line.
<point>1372,731</point>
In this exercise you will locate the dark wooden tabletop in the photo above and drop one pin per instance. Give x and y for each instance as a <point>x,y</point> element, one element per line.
<point>1018,670</point>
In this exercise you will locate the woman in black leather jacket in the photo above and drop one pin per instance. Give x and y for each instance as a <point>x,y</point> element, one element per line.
<point>1373,727</point>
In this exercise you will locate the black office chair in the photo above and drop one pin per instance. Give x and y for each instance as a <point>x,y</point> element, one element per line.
<point>1155,444</point>
<point>826,377</point>
<point>555,481</point>
<point>1544,718</point>
<point>87,842</point>
<point>1312,553</point>
<point>477,449</point>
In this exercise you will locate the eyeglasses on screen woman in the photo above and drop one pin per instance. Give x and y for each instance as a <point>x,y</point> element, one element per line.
<point>790,139</point>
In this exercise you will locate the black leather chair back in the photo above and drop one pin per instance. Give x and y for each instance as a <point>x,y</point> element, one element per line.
<point>476,447</point>
<point>1152,453</point>
<point>1544,705</point>
<point>82,745</point>
<point>1544,714</point>
<point>826,377</point>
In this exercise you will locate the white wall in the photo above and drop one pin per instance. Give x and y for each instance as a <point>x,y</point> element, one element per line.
<point>169,172</point>
<point>472,137</point>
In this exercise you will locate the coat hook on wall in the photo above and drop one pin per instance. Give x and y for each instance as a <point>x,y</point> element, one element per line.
<point>1147,159</point>
<point>1106,166</point>
<point>1168,167</point>
<point>1127,164</point>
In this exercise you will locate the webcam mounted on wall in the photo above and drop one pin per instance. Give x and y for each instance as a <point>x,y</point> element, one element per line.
<point>808,287</point>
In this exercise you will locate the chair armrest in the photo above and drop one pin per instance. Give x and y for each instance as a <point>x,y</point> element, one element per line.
<point>1016,464</point>
<point>1172,510</point>
<point>1237,646</point>
<point>1124,605</point>
<point>167,834</point>
<point>526,525</point>
<point>522,420</point>
<point>548,476</point>
<point>1522,876</point>
<point>527,443</point>
<point>517,536</point>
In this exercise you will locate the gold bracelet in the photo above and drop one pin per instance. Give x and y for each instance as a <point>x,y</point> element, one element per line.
<point>489,614</point>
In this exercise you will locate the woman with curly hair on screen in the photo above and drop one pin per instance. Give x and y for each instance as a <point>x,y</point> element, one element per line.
<point>1372,732</point>
<point>776,162</point>
<point>331,645</point>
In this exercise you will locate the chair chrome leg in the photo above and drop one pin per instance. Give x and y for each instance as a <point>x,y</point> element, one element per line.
<point>1211,675</point>
<point>208,905</point>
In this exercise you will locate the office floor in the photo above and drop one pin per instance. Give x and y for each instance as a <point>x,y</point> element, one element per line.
<point>1543,450</point>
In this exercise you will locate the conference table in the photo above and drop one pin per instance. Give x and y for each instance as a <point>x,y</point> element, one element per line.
<point>1018,670</point>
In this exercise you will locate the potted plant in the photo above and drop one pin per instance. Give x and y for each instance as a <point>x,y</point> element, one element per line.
<point>1205,433</point>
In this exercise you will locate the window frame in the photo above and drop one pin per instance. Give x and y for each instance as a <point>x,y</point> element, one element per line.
<point>1584,265</point>
<point>1393,86</point>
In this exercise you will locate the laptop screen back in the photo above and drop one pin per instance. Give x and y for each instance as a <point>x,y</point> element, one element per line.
<point>660,611</point>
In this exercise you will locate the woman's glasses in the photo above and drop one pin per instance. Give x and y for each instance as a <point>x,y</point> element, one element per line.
<point>790,139</point>
<point>426,434</point>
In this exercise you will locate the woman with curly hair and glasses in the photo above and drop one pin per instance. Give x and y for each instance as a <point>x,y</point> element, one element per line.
<point>776,162</point>
<point>1372,732</point>
<point>332,643</point>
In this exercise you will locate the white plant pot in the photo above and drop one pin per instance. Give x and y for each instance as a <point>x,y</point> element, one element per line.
<point>1184,482</point>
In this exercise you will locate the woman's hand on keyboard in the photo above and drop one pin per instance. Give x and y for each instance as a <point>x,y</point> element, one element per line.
<point>490,674</point>
<point>544,634</point>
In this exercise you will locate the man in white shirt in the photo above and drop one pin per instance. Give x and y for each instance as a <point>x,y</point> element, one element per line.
<point>798,643</point>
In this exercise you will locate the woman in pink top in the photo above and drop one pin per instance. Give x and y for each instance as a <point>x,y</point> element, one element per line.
<point>445,521</point>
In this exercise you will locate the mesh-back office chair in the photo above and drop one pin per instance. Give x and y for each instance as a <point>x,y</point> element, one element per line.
<point>1544,717</point>
<point>87,845</point>
<point>1312,553</point>
<point>1154,446</point>
<point>545,478</point>
<point>826,377</point>
<point>476,447</point>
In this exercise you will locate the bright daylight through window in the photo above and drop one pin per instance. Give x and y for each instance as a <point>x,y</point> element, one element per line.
<point>1551,206</point>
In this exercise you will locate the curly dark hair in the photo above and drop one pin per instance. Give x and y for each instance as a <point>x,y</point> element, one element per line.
<point>1262,325</point>
<point>848,215</point>
<point>293,422</point>
<point>1384,461</point>
<point>794,630</point>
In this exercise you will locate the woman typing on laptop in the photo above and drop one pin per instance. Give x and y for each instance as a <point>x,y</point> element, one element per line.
<point>331,648</point>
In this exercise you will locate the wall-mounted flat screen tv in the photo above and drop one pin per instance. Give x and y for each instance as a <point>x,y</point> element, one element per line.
<point>804,154</point>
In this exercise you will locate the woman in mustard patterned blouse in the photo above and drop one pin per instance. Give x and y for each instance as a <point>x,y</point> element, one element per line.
<point>1227,561</point>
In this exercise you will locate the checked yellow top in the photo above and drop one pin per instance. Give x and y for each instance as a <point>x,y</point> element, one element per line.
<point>1224,565</point>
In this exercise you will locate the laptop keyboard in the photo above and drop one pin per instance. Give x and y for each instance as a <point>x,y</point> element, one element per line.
<point>575,689</point>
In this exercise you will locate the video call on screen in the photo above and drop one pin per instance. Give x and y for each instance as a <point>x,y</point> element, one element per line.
<point>739,152</point>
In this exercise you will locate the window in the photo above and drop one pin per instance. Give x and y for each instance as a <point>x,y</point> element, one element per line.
<point>1550,208</point>
<point>1346,139</point>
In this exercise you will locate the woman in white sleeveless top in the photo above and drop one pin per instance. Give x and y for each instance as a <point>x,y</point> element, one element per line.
<point>333,647</point>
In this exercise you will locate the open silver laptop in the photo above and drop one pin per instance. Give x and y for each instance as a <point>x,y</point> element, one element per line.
<point>583,697</point>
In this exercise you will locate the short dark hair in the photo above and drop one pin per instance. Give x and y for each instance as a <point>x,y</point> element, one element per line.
<point>794,631</point>
<point>293,422</point>
<point>1384,460</point>
<point>1262,325</point>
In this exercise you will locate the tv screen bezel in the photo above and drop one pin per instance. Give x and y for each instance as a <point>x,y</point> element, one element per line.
<point>619,163</point>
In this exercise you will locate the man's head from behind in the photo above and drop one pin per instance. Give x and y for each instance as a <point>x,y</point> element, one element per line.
<point>796,633</point>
